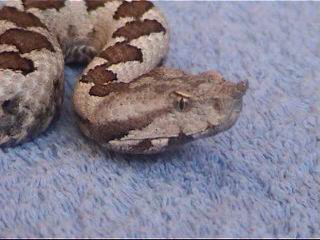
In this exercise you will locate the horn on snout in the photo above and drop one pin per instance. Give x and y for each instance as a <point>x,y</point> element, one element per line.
<point>239,89</point>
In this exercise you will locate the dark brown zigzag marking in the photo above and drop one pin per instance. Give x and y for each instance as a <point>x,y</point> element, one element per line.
<point>21,19</point>
<point>120,52</point>
<point>136,29</point>
<point>133,9</point>
<point>99,75</point>
<point>44,4</point>
<point>25,41</point>
<point>104,90</point>
<point>94,4</point>
<point>13,61</point>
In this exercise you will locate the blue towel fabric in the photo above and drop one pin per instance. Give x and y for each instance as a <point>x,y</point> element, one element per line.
<point>259,179</point>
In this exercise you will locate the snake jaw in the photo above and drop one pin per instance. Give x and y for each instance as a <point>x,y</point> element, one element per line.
<point>152,122</point>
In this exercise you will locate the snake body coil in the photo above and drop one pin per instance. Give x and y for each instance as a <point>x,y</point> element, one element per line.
<point>122,100</point>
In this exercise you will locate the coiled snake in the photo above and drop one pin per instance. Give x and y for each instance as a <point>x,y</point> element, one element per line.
<point>122,100</point>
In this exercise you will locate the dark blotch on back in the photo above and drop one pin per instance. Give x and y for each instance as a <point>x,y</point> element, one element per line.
<point>136,29</point>
<point>21,19</point>
<point>99,75</point>
<point>13,61</point>
<point>94,4</point>
<point>25,41</point>
<point>105,90</point>
<point>133,9</point>
<point>121,52</point>
<point>44,4</point>
<point>118,53</point>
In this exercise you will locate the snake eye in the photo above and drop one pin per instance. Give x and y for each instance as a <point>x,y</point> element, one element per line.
<point>181,100</point>
<point>183,103</point>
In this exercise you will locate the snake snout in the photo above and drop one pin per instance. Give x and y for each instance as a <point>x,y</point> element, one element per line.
<point>239,89</point>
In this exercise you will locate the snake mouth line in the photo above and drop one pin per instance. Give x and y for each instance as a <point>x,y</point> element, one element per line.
<point>200,133</point>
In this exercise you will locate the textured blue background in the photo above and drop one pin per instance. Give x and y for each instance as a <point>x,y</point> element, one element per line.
<point>261,178</point>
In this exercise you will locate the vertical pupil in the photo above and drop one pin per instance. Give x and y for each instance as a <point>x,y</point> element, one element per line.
<point>182,104</point>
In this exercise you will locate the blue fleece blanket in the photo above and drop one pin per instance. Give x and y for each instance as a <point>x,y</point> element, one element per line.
<point>259,179</point>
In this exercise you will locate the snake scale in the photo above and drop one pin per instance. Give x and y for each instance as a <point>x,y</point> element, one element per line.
<point>123,100</point>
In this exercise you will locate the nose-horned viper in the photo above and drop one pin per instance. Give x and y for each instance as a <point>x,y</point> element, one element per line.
<point>123,100</point>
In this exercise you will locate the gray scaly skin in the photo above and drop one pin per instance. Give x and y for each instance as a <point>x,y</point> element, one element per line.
<point>161,110</point>
<point>122,100</point>
<point>120,40</point>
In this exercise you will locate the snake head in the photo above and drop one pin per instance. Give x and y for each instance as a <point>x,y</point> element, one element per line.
<point>164,109</point>
<point>213,104</point>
